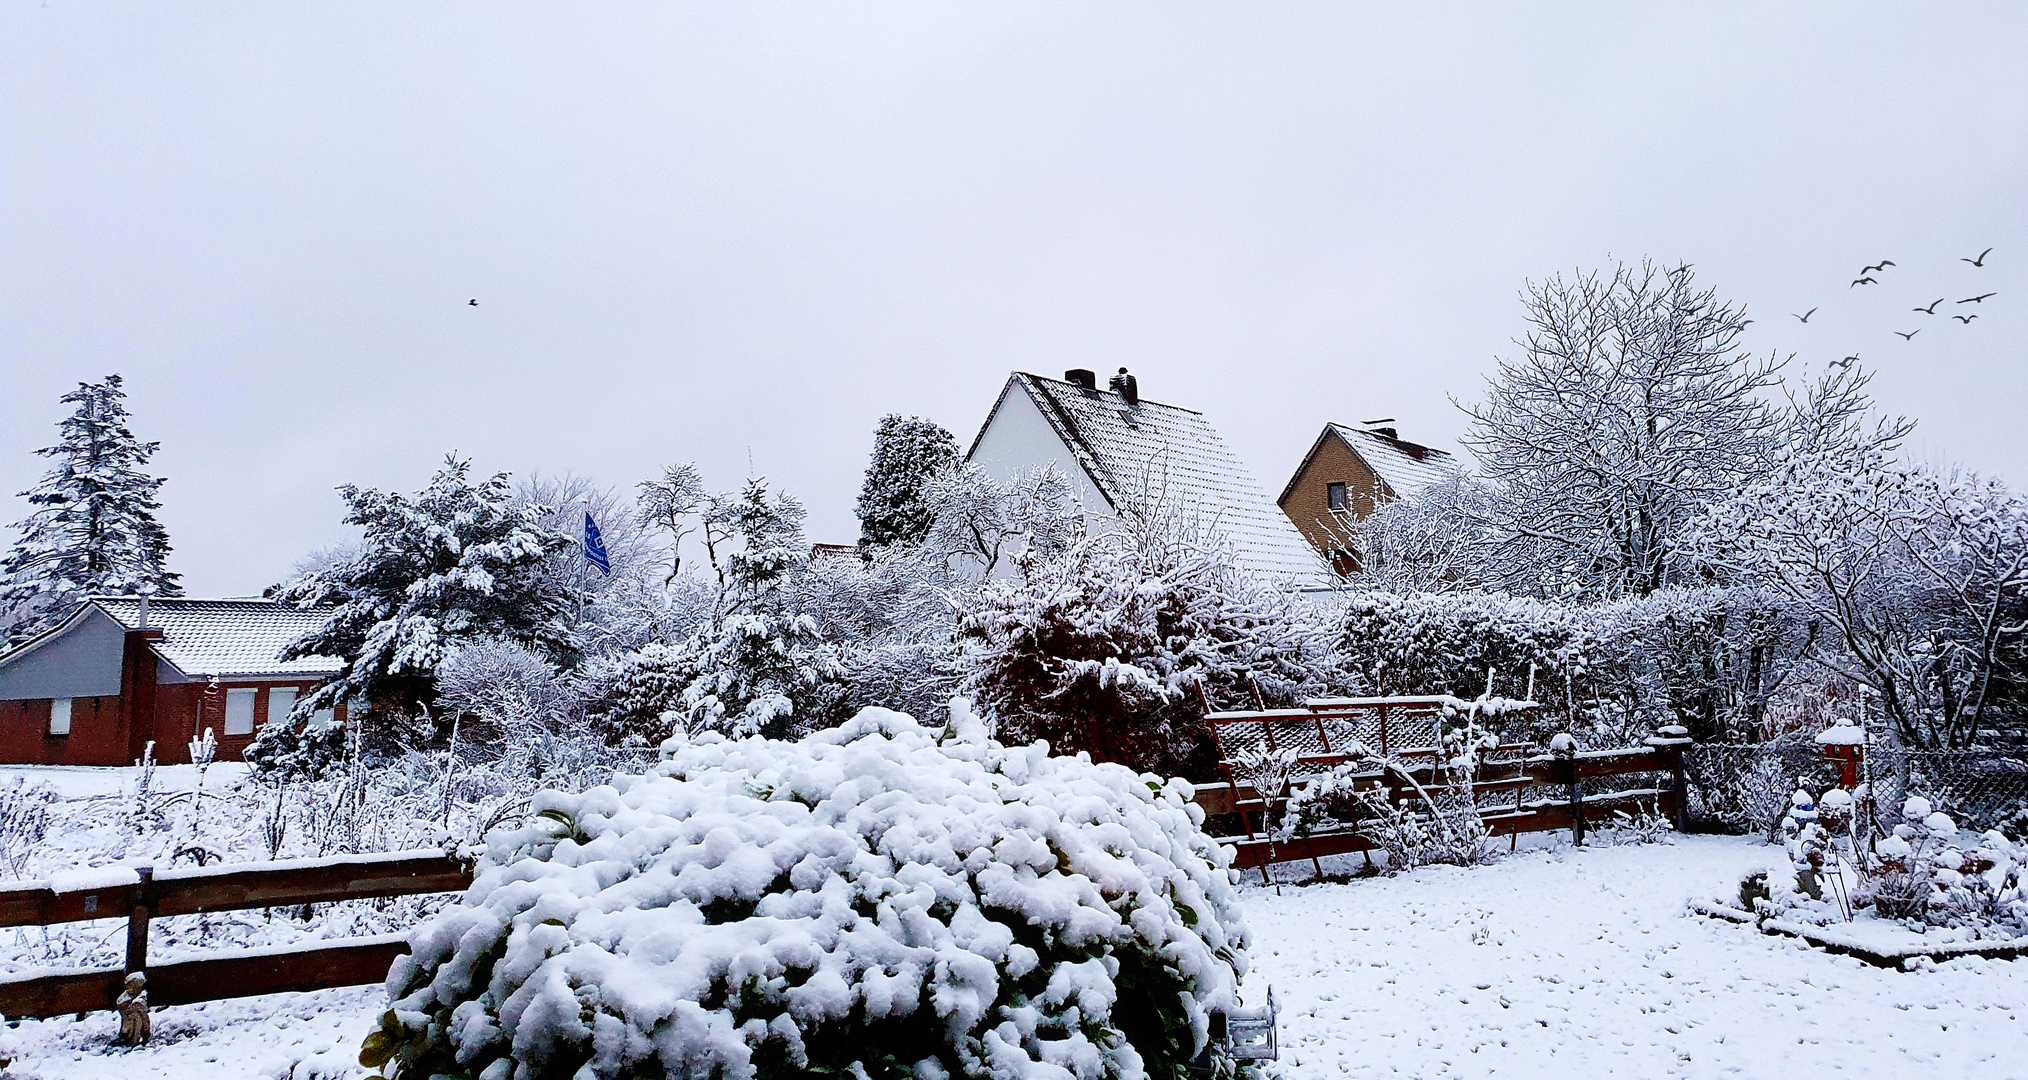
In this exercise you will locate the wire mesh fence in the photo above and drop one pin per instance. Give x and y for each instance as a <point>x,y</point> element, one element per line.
<point>1746,788</point>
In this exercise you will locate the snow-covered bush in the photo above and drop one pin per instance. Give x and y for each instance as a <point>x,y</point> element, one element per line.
<point>1115,647</point>
<point>880,899</point>
<point>24,821</point>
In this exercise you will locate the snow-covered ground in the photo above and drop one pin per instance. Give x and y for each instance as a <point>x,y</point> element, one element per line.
<point>1550,963</point>
<point>1583,963</point>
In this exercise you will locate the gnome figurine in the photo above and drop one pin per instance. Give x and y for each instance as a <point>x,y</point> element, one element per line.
<point>135,1026</point>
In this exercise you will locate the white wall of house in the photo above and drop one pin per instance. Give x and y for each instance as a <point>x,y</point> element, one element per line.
<point>1019,439</point>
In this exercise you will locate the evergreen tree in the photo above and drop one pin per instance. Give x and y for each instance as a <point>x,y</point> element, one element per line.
<point>93,530</point>
<point>907,453</point>
<point>459,563</point>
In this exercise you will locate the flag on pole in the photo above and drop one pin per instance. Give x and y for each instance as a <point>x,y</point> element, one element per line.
<point>594,548</point>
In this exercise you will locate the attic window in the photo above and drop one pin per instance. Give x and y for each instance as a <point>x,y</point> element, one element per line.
<point>1334,495</point>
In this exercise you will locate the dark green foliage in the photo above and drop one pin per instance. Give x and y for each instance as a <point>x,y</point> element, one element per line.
<point>907,452</point>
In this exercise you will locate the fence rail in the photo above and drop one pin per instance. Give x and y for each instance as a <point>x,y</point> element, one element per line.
<point>1516,788</point>
<point>226,974</point>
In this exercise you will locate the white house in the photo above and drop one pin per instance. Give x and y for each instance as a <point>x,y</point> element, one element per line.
<point>1121,450</point>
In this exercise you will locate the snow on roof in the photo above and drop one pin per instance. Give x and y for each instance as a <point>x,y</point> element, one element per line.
<point>225,637</point>
<point>1173,454</point>
<point>1406,468</point>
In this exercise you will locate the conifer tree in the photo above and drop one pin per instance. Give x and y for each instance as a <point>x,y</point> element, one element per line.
<point>93,530</point>
<point>907,453</point>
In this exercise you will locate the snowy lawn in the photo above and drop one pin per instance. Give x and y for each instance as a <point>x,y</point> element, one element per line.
<point>1583,963</point>
<point>1547,964</point>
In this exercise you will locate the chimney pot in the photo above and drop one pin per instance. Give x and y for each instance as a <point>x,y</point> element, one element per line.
<point>1084,377</point>
<point>1128,387</point>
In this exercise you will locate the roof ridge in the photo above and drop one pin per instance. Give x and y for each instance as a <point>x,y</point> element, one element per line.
<point>1144,401</point>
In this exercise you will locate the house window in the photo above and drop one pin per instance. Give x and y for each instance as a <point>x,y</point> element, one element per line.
<point>239,710</point>
<point>281,700</point>
<point>1335,493</point>
<point>59,716</point>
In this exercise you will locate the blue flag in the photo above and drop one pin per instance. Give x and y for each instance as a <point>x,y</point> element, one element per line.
<point>593,548</point>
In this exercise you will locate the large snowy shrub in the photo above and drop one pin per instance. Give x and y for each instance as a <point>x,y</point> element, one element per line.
<point>880,899</point>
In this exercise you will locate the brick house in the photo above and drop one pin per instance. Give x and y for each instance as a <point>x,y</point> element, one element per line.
<point>1348,473</point>
<point>122,671</point>
<point>1118,449</point>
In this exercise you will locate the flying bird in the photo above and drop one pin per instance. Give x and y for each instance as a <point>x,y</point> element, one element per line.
<point>474,303</point>
<point>1864,281</point>
<point>1883,264</point>
<point>1843,363</point>
<point>1910,336</point>
<point>1931,309</point>
<point>1966,319</point>
<point>1980,299</point>
<point>1805,316</point>
<point>1981,260</point>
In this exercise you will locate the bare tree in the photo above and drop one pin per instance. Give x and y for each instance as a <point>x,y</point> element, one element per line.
<point>1629,407</point>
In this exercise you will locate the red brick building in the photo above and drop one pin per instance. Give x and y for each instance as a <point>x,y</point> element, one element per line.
<point>120,673</point>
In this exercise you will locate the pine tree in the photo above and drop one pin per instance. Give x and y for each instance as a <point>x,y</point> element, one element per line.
<point>93,530</point>
<point>458,563</point>
<point>907,453</point>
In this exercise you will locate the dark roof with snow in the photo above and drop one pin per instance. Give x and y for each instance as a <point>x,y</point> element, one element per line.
<point>1152,451</point>
<point>225,637</point>
<point>1408,469</point>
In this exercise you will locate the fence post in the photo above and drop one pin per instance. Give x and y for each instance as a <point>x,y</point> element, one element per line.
<point>1669,742</point>
<point>1564,746</point>
<point>133,1004</point>
<point>137,923</point>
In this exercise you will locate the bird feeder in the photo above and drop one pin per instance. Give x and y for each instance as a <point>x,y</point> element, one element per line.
<point>1845,743</point>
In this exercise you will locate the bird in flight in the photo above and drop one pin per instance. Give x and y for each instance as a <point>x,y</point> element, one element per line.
<point>1966,319</point>
<point>1979,299</point>
<point>1864,281</point>
<point>1805,316</point>
<point>1845,362</point>
<point>1931,309</point>
<point>1910,336</point>
<point>1882,265</point>
<point>1981,260</point>
<point>474,303</point>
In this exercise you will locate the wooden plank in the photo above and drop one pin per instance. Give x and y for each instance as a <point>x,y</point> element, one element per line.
<point>243,885</point>
<point>59,993</point>
<point>208,978</point>
<point>1253,854</point>
<point>277,971</point>
<point>187,892</point>
<point>1547,770</point>
<point>40,905</point>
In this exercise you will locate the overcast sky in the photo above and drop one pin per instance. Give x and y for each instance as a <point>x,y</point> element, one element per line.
<point>739,234</point>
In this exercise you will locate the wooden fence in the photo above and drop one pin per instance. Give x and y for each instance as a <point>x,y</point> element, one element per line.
<point>317,965</point>
<point>1517,788</point>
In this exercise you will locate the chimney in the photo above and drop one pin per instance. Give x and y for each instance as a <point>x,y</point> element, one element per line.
<point>1128,387</point>
<point>1083,377</point>
<point>144,610</point>
<point>1379,427</point>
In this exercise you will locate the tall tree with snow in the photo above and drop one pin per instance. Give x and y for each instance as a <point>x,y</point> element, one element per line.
<point>460,562</point>
<point>907,453</point>
<point>1630,407</point>
<point>93,530</point>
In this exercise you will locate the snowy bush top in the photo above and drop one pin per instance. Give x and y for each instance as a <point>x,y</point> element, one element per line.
<point>880,899</point>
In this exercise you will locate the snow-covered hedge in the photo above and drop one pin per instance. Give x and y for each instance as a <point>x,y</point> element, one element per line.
<point>880,899</point>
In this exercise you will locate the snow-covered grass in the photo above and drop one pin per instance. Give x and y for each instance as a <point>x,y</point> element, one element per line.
<point>1550,963</point>
<point>1584,963</point>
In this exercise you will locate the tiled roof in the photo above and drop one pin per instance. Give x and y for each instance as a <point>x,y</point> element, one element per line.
<point>1174,454</point>
<point>225,637</point>
<point>1406,468</point>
